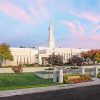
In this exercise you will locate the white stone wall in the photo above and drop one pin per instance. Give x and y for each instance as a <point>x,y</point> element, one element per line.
<point>30,69</point>
<point>31,55</point>
<point>65,52</point>
<point>23,56</point>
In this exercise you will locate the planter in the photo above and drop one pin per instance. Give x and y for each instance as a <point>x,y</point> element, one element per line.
<point>76,78</point>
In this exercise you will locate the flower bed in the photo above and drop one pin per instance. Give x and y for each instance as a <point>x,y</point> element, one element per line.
<point>76,78</point>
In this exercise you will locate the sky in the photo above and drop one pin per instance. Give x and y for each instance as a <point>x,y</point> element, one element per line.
<point>76,23</point>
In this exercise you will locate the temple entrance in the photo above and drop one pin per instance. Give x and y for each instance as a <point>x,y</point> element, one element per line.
<point>44,61</point>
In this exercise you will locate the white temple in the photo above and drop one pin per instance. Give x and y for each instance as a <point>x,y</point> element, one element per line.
<point>39,55</point>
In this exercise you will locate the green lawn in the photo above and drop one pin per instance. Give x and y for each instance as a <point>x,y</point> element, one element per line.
<point>24,80</point>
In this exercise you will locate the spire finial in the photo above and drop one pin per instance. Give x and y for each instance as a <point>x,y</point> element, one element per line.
<point>50,20</point>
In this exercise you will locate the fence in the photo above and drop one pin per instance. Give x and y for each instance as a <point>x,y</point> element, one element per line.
<point>45,74</point>
<point>73,71</point>
<point>91,72</point>
<point>88,71</point>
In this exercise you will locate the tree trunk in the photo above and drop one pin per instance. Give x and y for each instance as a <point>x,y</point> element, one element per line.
<point>0,63</point>
<point>75,65</point>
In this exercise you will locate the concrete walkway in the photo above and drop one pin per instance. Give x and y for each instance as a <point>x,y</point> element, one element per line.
<point>46,89</point>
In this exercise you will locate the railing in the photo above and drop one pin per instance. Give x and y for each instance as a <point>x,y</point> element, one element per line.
<point>72,71</point>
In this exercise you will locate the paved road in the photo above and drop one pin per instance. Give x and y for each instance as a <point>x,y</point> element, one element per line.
<point>83,93</point>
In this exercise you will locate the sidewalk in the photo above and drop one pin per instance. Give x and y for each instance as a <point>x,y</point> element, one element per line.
<point>49,88</point>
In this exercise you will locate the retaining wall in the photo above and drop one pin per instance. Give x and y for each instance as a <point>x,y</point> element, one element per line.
<point>30,69</point>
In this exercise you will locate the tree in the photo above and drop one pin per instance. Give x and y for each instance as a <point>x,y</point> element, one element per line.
<point>88,61</point>
<point>76,60</point>
<point>55,60</point>
<point>97,57</point>
<point>5,53</point>
<point>94,55</point>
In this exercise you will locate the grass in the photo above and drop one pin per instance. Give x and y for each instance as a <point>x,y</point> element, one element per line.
<point>23,87</point>
<point>24,80</point>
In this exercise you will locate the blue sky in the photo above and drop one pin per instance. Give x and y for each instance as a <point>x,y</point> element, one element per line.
<point>76,23</point>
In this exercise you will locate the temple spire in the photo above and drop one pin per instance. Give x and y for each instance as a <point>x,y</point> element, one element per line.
<point>51,35</point>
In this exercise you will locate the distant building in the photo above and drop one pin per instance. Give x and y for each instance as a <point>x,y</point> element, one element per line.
<point>39,55</point>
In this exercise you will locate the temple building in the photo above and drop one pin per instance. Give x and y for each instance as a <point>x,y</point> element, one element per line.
<point>39,55</point>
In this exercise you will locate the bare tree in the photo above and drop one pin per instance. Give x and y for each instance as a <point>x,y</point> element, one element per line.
<point>55,60</point>
<point>76,60</point>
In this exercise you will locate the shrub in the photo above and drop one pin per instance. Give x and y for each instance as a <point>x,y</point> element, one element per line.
<point>66,64</point>
<point>48,65</point>
<point>98,76</point>
<point>28,65</point>
<point>8,66</point>
<point>33,65</point>
<point>49,69</point>
<point>17,69</point>
<point>76,67</point>
<point>65,79</point>
<point>76,78</point>
<point>36,65</point>
<point>73,77</point>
